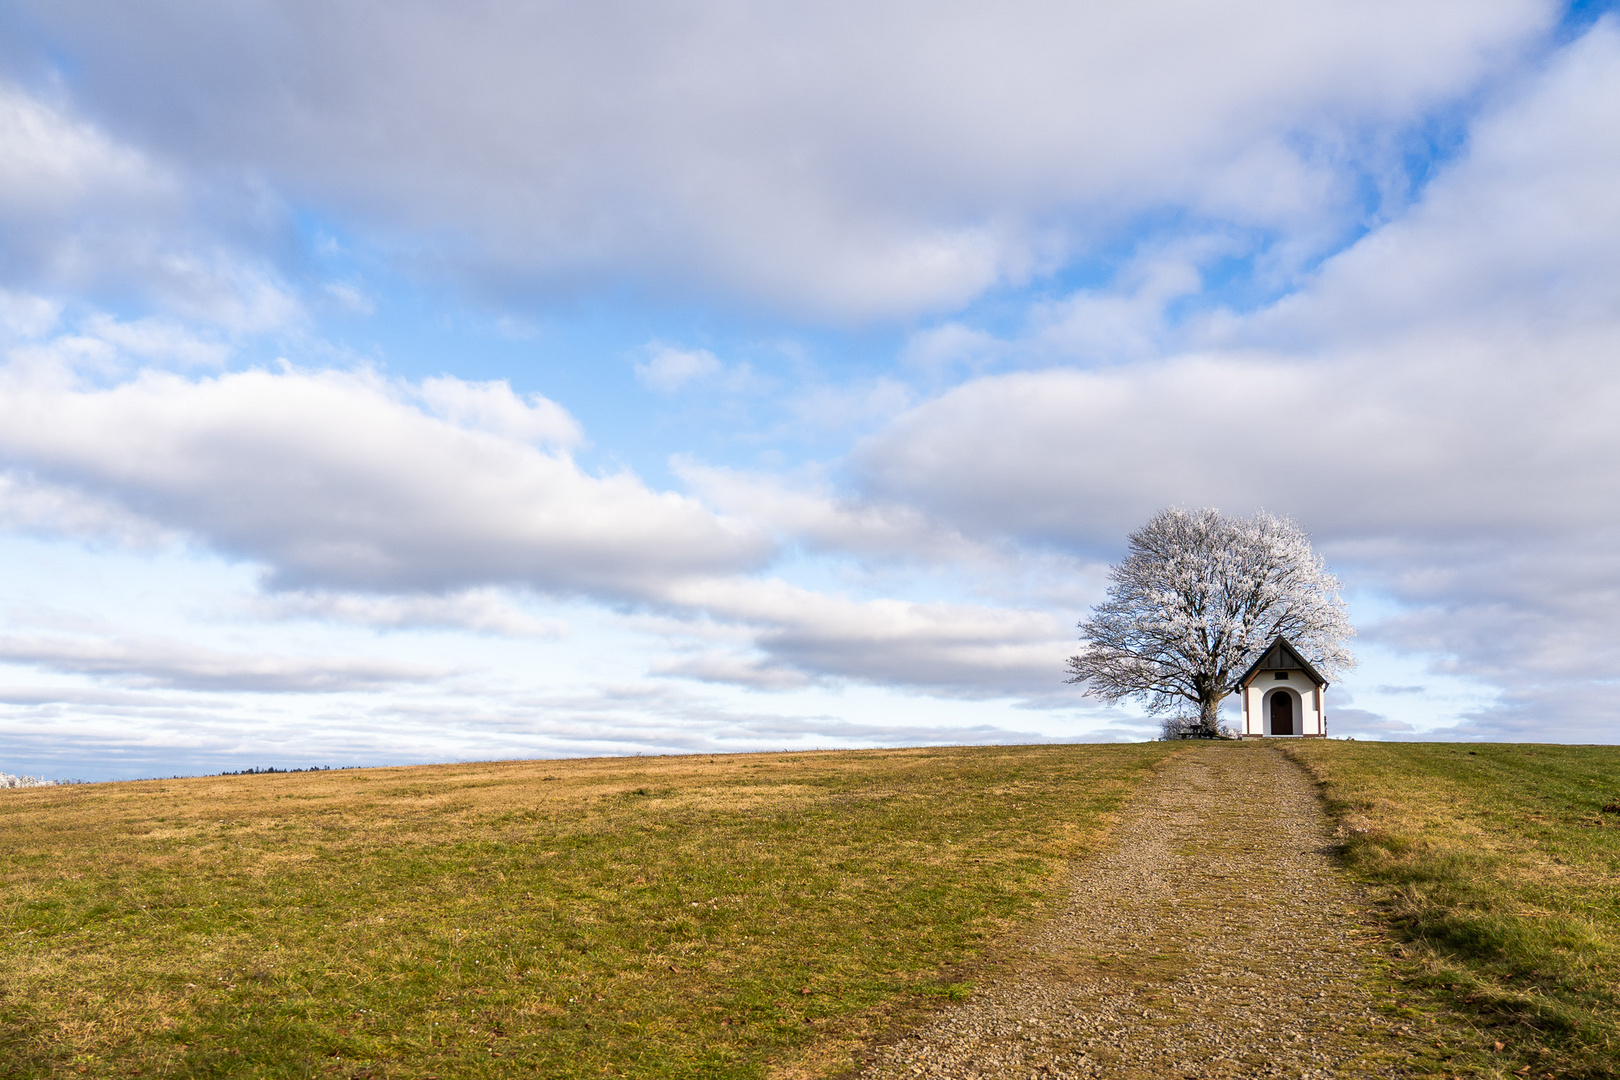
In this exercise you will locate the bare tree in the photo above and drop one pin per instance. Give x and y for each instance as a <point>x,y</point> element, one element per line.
<point>1196,599</point>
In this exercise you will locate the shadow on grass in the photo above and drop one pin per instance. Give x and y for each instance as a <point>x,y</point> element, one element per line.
<point>1497,869</point>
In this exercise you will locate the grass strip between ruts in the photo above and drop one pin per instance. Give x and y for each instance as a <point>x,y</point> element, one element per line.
<point>654,917</point>
<point>1500,868</point>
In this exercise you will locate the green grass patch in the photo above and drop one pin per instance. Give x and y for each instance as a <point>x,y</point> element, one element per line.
<point>655,917</point>
<point>1500,867</point>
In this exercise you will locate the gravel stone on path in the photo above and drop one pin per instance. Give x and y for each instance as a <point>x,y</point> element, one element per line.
<point>1215,937</point>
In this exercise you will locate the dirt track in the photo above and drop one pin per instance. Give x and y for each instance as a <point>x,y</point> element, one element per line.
<point>1215,938</point>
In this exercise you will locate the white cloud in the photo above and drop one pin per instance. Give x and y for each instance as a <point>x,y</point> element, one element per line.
<point>1519,236</point>
<point>200,281</point>
<point>29,506</point>
<point>668,369</point>
<point>183,665</point>
<point>482,611</point>
<point>493,407</point>
<point>951,649</point>
<point>349,298</point>
<point>1483,411</point>
<point>54,162</point>
<point>849,159</point>
<point>1412,442</point>
<point>734,669</point>
<point>157,340</point>
<point>364,509</point>
<point>938,350</point>
<point>1123,321</point>
<point>82,210</point>
<point>23,315</point>
<point>819,518</point>
<point>335,480</point>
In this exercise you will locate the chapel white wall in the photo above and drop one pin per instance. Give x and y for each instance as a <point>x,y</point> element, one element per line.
<point>1310,704</point>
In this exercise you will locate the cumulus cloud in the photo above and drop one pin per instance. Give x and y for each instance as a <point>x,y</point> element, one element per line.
<point>366,508</point>
<point>335,480</point>
<point>847,159</point>
<point>1408,443</point>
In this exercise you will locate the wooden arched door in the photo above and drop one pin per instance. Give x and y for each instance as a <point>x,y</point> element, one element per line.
<point>1282,713</point>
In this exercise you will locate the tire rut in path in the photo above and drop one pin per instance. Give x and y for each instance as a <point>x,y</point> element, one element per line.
<point>1213,938</point>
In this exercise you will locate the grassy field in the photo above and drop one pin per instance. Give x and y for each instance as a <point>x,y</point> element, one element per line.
<point>1500,868</point>
<point>656,917</point>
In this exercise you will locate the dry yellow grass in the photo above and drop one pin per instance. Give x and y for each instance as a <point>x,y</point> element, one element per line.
<point>689,916</point>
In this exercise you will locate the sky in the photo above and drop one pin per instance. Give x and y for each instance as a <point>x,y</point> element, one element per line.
<point>428,381</point>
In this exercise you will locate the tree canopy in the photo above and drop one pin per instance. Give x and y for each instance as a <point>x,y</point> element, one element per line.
<point>1198,596</point>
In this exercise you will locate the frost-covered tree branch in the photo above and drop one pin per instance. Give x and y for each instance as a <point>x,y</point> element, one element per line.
<point>1196,599</point>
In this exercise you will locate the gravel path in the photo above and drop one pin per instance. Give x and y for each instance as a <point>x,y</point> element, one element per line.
<point>1215,938</point>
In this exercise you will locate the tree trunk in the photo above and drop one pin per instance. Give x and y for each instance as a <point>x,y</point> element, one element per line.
<point>1209,718</point>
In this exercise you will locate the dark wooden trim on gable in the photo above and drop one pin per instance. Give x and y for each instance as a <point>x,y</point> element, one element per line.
<point>1287,659</point>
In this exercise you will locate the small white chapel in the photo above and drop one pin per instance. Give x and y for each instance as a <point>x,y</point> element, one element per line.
<point>1283,695</point>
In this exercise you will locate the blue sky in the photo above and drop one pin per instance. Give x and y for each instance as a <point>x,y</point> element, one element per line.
<point>386,383</point>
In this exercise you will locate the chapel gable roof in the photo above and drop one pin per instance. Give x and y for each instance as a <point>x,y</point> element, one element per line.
<point>1281,655</point>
